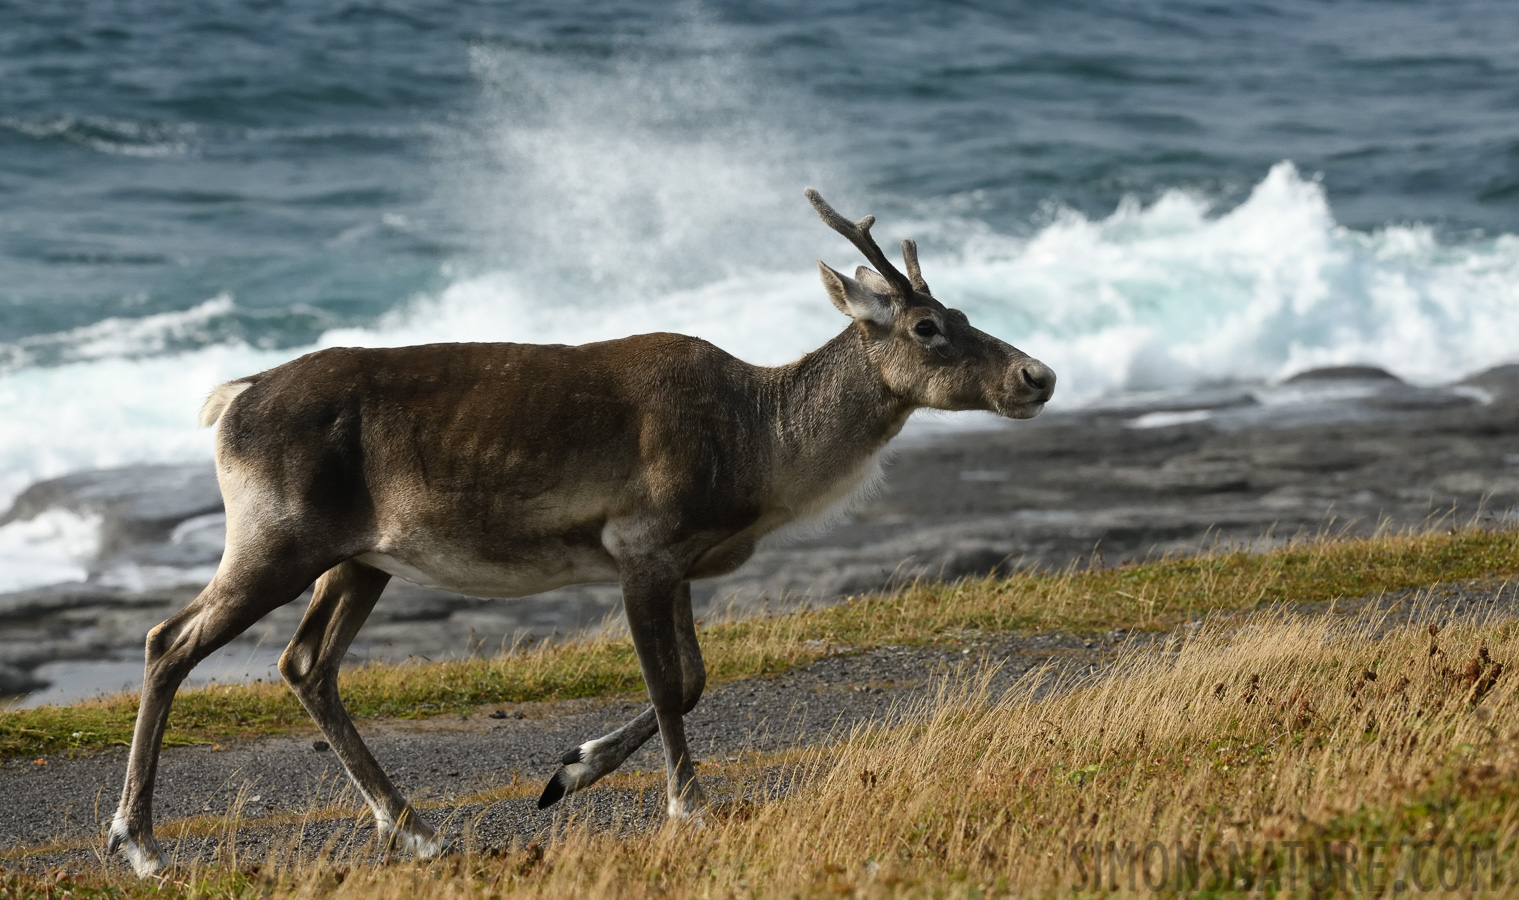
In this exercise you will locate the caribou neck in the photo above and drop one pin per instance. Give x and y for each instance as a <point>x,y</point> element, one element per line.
<point>832,413</point>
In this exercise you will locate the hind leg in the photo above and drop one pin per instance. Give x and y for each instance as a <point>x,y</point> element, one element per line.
<point>584,765</point>
<point>234,600</point>
<point>343,599</point>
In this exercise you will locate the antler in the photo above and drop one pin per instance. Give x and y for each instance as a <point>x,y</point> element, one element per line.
<point>910,253</point>
<point>858,234</point>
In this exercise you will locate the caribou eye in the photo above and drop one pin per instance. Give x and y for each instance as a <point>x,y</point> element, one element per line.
<point>926,328</point>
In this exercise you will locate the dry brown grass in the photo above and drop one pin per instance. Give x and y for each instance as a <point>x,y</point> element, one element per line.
<point>1296,742</point>
<point>1285,729</point>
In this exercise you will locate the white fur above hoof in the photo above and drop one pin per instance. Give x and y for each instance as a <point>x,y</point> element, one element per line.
<point>146,859</point>
<point>420,844</point>
<point>690,808</point>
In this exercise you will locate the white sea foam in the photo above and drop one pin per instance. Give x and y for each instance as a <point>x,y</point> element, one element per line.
<point>52,548</point>
<point>117,336</point>
<point>1167,295</point>
<point>622,179</point>
<point>111,412</point>
<point>1167,418</point>
<point>117,137</point>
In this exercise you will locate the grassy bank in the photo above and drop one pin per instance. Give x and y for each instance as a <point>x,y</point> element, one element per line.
<point>1271,754</point>
<point>1152,596</point>
<point>1292,756</point>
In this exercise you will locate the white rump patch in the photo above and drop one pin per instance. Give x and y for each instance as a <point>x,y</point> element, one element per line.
<point>217,402</point>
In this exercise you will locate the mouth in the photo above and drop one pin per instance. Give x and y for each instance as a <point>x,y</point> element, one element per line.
<point>1021,410</point>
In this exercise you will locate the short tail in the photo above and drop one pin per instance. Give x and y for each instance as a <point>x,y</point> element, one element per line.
<point>221,396</point>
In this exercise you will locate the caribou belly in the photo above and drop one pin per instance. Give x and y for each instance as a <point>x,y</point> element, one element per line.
<point>530,570</point>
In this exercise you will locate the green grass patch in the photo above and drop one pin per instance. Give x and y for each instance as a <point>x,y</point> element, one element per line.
<point>1156,595</point>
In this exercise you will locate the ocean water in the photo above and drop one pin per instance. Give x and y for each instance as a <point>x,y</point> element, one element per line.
<point>1142,194</point>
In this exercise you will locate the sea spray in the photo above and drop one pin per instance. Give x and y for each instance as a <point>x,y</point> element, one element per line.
<point>49,548</point>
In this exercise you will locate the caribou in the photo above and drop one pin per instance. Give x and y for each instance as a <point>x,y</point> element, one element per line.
<point>502,470</point>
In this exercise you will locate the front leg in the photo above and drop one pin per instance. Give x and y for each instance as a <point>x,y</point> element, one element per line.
<point>649,597</point>
<point>586,764</point>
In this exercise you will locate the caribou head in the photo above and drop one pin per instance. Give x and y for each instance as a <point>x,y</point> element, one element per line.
<point>929,354</point>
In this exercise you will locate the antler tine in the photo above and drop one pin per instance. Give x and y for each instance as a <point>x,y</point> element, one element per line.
<point>914,274</point>
<point>858,234</point>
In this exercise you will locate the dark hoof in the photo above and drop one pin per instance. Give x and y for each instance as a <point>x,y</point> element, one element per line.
<point>553,792</point>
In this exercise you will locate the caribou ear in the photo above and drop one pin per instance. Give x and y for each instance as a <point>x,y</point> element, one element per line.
<point>872,279</point>
<point>855,299</point>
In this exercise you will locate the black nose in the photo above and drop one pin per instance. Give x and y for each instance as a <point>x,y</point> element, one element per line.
<point>1040,378</point>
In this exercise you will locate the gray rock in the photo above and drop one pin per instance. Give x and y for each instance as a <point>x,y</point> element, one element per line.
<point>138,504</point>
<point>1499,381</point>
<point>1138,404</point>
<point>14,681</point>
<point>57,598</point>
<point>1408,399</point>
<point>1344,373</point>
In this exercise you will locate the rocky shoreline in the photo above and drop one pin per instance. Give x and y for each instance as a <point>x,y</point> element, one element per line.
<point>1347,449</point>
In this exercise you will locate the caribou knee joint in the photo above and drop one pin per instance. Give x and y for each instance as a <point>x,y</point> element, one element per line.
<point>295,665</point>
<point>167,658</point>
<point>160,641</point>
<point>691,687</point>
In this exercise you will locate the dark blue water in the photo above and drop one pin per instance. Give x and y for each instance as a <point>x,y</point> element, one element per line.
<point>189,192</point>
<point>297,155</point>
